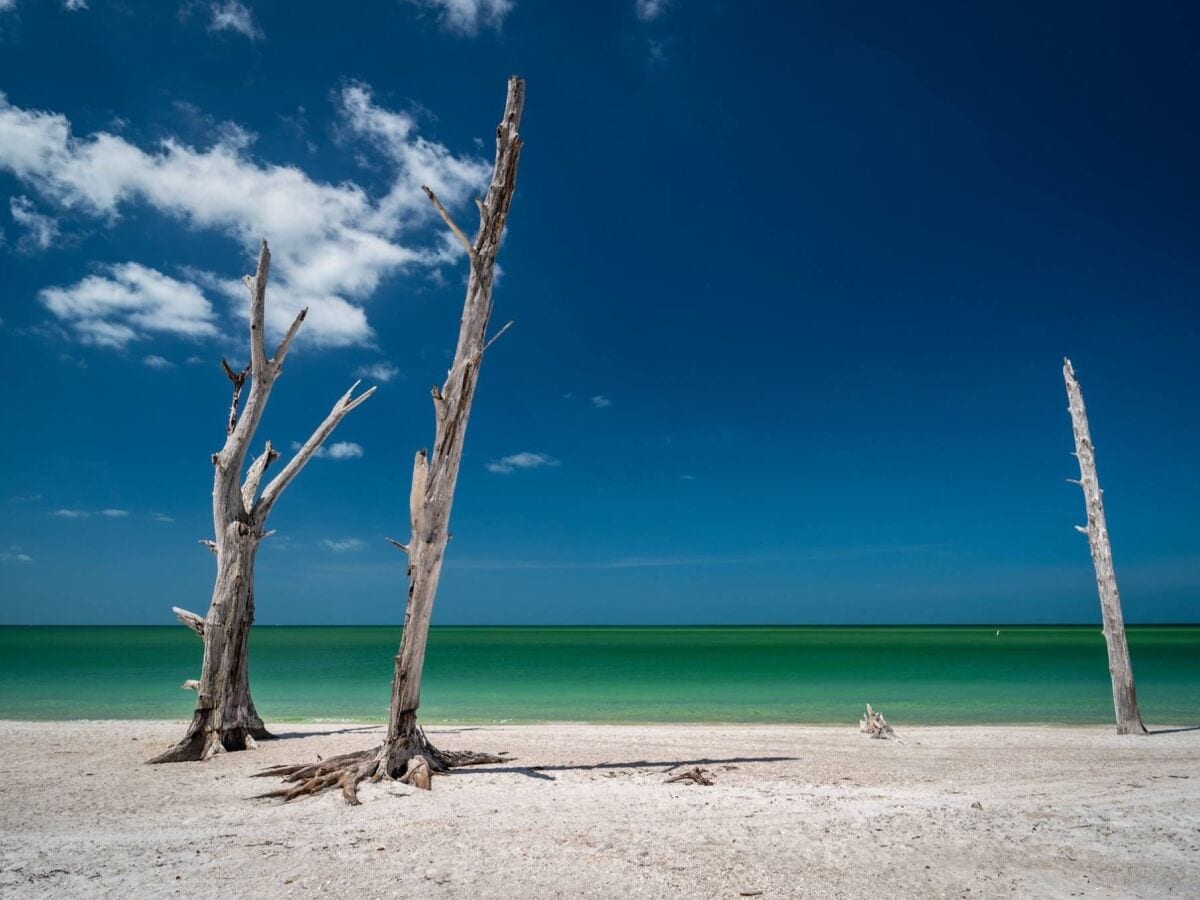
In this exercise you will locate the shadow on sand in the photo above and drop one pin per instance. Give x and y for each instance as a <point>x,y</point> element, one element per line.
<point>666,766</point>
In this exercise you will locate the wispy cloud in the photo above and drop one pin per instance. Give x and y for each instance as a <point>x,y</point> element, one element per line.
<point>601,402</point>
<point>15,554</point>
<point>233,16</point>
<point>6,5</point>
<point>75,5</point>
<point>161,517</point>
<point>649,10</point>
<point>332,243</point>
<point>467,16</point>
<point>154,361</point>
<point>380,371</point>
<point>336,450</point>
<point>40,230</point>
<point>343,545</point>
<point>111,513</point>
<point>523,460</point>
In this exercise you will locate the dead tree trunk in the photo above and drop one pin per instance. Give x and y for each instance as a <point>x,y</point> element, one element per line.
<point>406,753</point>
<point>1129,720</point>
<point>225,718</point>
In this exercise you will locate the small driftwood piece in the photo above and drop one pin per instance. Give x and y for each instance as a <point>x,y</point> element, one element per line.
<point>695,775</point>
<point>876,726</point>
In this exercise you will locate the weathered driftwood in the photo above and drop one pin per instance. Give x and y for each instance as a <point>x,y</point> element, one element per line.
<point>875,725</point>
<point>695,775</point>
<point>225,718</point>
<point>1129,720</point>
<point>430,500</point>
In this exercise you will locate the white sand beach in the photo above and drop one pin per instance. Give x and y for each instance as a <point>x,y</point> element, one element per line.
<point>583,811</point>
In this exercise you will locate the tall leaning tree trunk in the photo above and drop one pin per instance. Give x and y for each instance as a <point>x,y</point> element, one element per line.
<point>1129,720</point>
<point>406,753</point>
<point>225,718</point>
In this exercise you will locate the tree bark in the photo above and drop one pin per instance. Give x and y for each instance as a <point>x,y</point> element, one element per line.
<point>225,717</point>
<point>406,753</point>
<point>1129,719</point>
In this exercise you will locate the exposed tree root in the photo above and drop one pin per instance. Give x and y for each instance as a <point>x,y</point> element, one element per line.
<point>696,775</point>
<point>412,763</point>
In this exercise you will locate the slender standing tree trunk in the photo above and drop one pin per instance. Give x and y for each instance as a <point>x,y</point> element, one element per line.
<point>406,752</point>
<point>1129,720</point>
<point>225,718</point>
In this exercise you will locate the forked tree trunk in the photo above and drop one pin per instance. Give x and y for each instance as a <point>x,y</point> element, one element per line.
<point>225,718</point>
<point>406,753</point>
<point>1129,720</point>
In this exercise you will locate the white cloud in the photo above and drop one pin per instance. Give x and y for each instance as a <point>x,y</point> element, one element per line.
<point>649,10</point>
<point>380,371</point>
<point>70,513</point>
<point>40,230</point>
<point>115,513</point>
<point>601,402</point>
<point>233,16</point>
<point>14,554</point>
<point>331,244</point>
<point>336,450</point>
<point>343,545</point>
<point>75,5</point>
<point>154,361</point>
<point>128,304</point>
<point>161,517</point>
<point>523,460</point>
<point>6,5</point>
<point>466,16</point>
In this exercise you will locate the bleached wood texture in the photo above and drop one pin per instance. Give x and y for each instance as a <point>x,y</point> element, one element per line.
<point>430,500</point>
<point>225,717</point>
<point>1129,719</point>
<point>875,725</point>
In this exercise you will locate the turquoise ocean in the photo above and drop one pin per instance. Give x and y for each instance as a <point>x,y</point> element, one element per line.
<point>927,675</point>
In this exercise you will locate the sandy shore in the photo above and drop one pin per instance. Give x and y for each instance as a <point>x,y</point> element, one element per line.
<point>795,811</point>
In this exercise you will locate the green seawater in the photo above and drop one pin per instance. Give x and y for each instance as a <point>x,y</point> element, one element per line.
<point>929,675</point>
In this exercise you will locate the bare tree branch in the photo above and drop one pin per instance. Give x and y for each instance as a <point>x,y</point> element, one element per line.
<point>345,404</point>
<point>211,545</point>
<point>254,476</point>
<point>238,379</point>
<point>281,351</point>
<point>233,455</point>
<point>496,337</point>
<point>257,285</point>
<point>458,232</point>
<point>189,619</point>
<point>397,544</point>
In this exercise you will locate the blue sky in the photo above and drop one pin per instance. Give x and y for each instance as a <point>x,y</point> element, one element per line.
<point>792,286</point>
